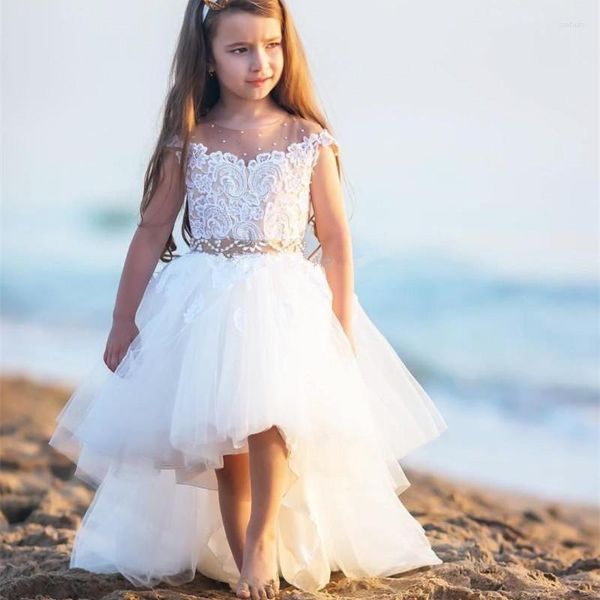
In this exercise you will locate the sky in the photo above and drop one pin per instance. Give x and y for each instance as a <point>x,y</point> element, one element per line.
<point>467,129</point>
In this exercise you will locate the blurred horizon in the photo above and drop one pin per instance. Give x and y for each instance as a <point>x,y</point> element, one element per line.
<point>469,135</point>
<point>477,147</point>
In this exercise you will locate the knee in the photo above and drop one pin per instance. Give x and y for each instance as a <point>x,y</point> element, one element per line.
<point>271,434</point>
<point>233,479</point>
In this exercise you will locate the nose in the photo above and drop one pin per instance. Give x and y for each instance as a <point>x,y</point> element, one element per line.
<point>260,63</point>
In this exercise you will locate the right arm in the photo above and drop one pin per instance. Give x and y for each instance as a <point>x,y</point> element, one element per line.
<point>145,250</point>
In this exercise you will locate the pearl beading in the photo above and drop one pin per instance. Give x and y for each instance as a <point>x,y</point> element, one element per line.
<point>230,247</point>
<point>265,198</point>
<point>221,131</point>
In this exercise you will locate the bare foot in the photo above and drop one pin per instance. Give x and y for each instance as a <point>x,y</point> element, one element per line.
<point>259,578</point>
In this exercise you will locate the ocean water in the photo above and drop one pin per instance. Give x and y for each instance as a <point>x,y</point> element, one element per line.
<point>512,364</point>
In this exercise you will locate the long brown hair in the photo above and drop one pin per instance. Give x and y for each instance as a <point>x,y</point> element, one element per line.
<point>192,92</point>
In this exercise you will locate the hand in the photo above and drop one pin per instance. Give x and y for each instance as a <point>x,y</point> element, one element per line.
<point>119,339</point>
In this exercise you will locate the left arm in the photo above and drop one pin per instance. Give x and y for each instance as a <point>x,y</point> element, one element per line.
<point>333,234</point>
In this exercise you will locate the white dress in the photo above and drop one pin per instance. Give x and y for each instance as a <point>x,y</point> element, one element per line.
<point>232,341</point>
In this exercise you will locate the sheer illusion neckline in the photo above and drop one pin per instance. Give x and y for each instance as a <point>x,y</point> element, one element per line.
<point>264,155</point>
<point>213,123</point>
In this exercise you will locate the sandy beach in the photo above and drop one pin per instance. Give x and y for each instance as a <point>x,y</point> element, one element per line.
<point>494,544</point>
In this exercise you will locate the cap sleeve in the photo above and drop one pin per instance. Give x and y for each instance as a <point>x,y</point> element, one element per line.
<point>321,139</point>
<point>175,143</point>
<point>168,194</point>
<point>326,139</point>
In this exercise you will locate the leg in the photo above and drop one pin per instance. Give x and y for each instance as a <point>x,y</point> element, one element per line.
<point>268,467</point>
<point>234,501</point>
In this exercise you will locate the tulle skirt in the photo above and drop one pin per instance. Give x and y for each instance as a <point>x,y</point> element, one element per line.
<point>228,347</point>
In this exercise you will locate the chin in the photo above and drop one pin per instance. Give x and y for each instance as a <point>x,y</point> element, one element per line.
<point>261,92</point>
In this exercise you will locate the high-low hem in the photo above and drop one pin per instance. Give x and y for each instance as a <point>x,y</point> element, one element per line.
<point>220,356</point>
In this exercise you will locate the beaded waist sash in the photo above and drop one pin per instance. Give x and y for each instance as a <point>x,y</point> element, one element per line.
<point>234,247</point>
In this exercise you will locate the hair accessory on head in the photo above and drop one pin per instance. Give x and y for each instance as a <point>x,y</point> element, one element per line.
<point>214,4</point>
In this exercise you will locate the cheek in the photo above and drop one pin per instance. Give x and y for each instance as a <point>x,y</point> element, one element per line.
<point>233,66</point>
<point>277,61</point>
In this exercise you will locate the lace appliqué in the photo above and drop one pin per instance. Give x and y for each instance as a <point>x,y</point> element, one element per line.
<point>194,309</point>
<point>265,201</point>
<point>323,138</point>
<point>237,208</point>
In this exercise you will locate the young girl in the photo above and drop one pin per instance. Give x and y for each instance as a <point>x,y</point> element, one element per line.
<point>251,418</point>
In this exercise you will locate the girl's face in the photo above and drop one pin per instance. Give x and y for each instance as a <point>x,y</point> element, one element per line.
<point>247,54</point>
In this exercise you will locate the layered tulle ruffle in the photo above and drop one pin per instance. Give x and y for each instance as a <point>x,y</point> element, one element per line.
<point>227,348</point>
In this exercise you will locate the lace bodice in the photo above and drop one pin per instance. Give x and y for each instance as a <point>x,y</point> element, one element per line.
<point>249,190</point>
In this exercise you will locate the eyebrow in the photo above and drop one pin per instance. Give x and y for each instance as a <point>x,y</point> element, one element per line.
<point>275,37</point>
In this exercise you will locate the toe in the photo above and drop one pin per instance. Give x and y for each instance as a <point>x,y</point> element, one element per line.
<point>255,593</point>
<point>243,590</point>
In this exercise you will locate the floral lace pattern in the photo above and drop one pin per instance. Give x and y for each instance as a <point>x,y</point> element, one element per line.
<point>263,203</point>
<point>223,274</point>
